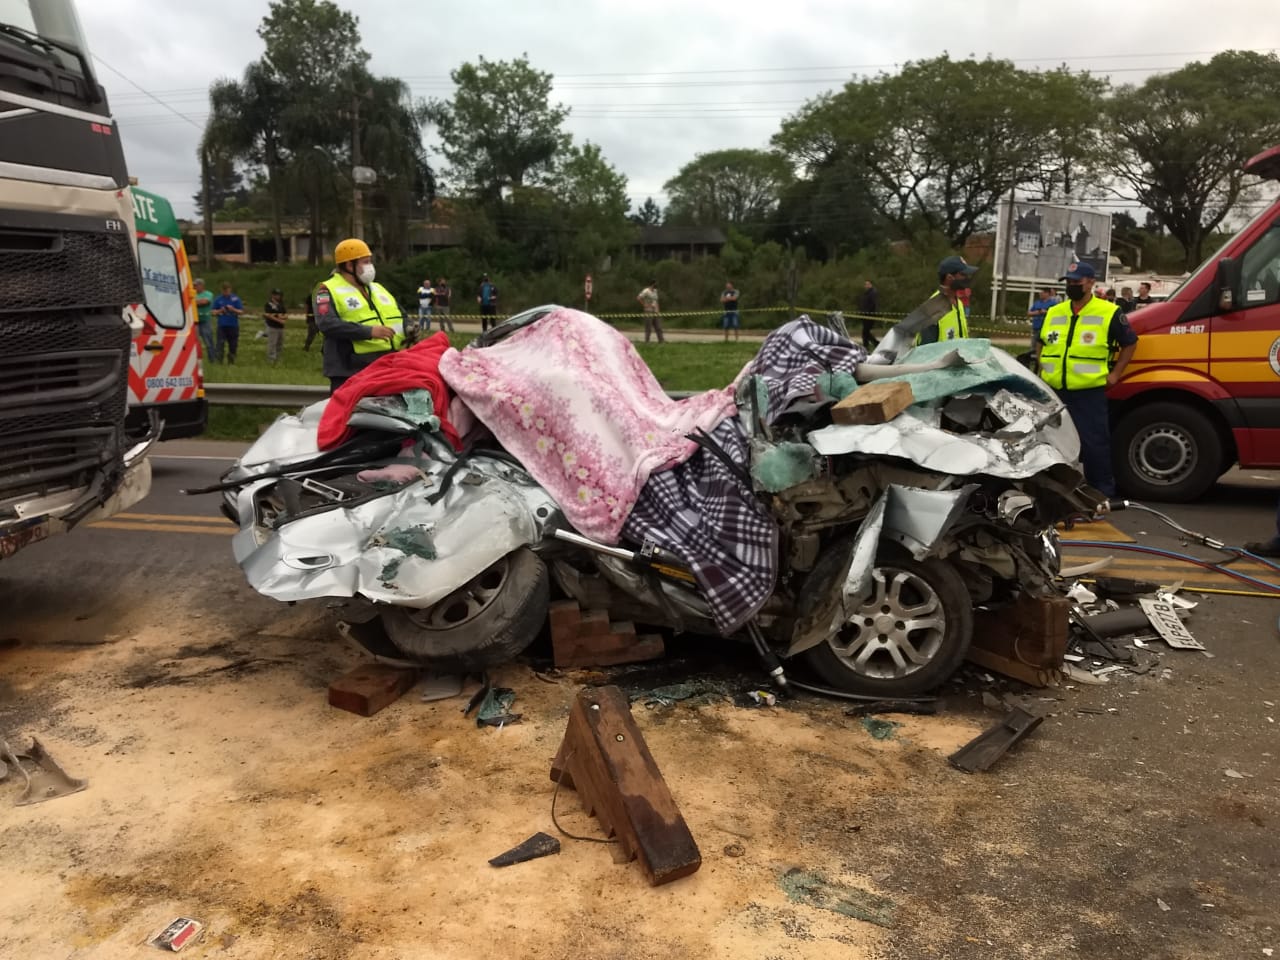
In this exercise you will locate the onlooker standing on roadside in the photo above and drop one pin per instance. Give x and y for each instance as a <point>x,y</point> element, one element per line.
<point>441,303</point>
<point>488,300</point>
<point>729,302</point>
<point>312,330</point>
<point>869,306</point>
<point>227,308</point>
<point>1144,296</point>
<point>426,300</point>
<point>274,315</point>
<point>648,298</point>
<point>204,318</point>
<point>1039,307</point>
<point>1125,301</point>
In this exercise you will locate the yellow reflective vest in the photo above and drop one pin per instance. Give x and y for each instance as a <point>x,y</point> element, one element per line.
<point>379,309</point>
<point>953,326</point>
<point>1074,352</point>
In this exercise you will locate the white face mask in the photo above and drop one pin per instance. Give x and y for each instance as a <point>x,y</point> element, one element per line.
<point>366,274</point>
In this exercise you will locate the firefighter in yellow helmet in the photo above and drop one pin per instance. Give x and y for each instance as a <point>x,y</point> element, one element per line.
<point>359,318</point>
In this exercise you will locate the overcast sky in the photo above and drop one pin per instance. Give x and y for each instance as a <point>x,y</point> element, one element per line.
<point>653,83</point>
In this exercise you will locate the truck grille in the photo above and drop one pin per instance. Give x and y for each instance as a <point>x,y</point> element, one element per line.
<point>64,356</point>
<point>62,269</point>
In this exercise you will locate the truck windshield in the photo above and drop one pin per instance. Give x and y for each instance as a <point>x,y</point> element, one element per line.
<point>29,22</point>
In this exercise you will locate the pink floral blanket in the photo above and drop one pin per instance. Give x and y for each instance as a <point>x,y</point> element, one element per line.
<point>570,397</point>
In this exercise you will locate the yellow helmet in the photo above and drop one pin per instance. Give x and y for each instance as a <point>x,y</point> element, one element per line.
<point>352,249</point>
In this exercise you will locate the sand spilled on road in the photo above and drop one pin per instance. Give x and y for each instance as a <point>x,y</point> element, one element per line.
<point>222,786</point>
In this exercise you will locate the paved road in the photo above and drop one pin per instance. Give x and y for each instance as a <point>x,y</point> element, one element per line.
<point>1119,803</point>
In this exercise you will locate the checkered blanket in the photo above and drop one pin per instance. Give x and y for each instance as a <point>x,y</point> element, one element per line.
<point>704,513</point>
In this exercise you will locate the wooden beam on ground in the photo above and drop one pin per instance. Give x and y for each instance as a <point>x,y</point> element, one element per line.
<point>877,402</point>
<point>604,757</point>
<point>1025,640</point>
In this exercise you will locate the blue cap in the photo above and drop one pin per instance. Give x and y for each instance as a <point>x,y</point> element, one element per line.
<point>1079,271</point>
<point>955,264</point>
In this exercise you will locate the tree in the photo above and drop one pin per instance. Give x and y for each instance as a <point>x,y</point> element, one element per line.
<point>1183,137</point>
<point>649,214</point>
<point>936,145</point>
<point>737,187</point>
<point>500,130</point>
<point>246,123</point>
<point>593,196</point>
<point>226,186</point>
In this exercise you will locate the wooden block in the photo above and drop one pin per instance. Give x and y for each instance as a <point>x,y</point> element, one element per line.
<point>604,757</point>
<point>877,402</point>
<point>619,645</point>
<point>594,623</point>
<point>1025,640</point>
<point>563,617</point>
<point>370,687</point>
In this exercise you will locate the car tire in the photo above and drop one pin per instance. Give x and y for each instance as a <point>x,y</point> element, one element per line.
<point>875,653</point>
<point>487,621</point>
<point>1168,452</point>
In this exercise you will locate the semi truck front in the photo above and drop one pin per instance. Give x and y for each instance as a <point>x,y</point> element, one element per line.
<point>68,278</point>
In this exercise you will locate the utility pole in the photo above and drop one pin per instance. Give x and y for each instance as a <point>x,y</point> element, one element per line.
<point>206,241</point>
<point>357,217</point>
<point>1004,264</point>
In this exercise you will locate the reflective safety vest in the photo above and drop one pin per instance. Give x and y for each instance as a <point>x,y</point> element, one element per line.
<point>379,310</point>
<point>953,326</point>
<point>1074,352</point>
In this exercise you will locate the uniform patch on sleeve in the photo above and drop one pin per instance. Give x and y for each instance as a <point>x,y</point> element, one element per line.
<point>323,302</point>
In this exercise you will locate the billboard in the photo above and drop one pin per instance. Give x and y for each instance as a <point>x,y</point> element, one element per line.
<point>1046,238</point>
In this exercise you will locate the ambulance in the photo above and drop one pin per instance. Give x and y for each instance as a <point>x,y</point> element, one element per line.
<point>1203,389</point>
<point>165,372</point>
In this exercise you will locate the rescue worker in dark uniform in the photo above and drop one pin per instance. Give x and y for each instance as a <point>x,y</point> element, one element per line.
<point>953,276</point>
<point>359,318</point>
<point>1077,340</point>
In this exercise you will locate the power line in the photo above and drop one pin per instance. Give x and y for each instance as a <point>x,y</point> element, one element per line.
<point>147,92</point>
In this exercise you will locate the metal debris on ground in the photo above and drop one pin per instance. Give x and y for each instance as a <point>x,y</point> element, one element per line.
<point>1164,617</point>
<point>989,746</point>
<point>762,698</point>
<point>539,845</point>
<point>179,934</point>
<point>665,696</point>
<point>814,890</point>
<point>44,779</point>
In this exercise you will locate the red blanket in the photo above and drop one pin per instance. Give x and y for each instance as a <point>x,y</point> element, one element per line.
<point>417,368</point>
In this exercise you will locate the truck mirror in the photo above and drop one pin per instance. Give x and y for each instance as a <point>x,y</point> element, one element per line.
<point>1228,283</point>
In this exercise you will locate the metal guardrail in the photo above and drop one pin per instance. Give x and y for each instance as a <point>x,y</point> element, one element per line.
<point>263,394</point>
<point>295,395</point>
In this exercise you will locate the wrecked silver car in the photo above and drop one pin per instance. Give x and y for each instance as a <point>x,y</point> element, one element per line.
<point>861,549</point>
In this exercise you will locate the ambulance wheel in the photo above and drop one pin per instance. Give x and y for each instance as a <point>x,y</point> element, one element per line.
<point>1167,451</point>
<point>485,622</point>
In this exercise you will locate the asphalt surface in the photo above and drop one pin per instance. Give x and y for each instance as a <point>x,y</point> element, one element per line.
<point>1169,824</point>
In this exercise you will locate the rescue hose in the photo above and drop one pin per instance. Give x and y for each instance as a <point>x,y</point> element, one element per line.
<point>1186,558</point>
<point>1195,535</point>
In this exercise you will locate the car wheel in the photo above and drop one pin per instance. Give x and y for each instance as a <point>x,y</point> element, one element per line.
<point>483,623</point>
<point>906,637</point>
<point>1167,452</point>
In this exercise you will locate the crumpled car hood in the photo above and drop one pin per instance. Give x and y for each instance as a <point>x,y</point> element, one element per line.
<point>1037,434</point>
<point>400,548</point>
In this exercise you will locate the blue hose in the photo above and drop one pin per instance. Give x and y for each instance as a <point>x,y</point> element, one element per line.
<point>1157,551</point>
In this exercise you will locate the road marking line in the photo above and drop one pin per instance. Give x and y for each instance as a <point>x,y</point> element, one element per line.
<point>1099,530</point>
<point>1251,567</point>
<point>176,517</point>
<point>164,528</point>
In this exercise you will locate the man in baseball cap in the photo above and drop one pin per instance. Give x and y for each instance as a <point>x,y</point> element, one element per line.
<point>954,274</point>
<point>1077,340</point>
